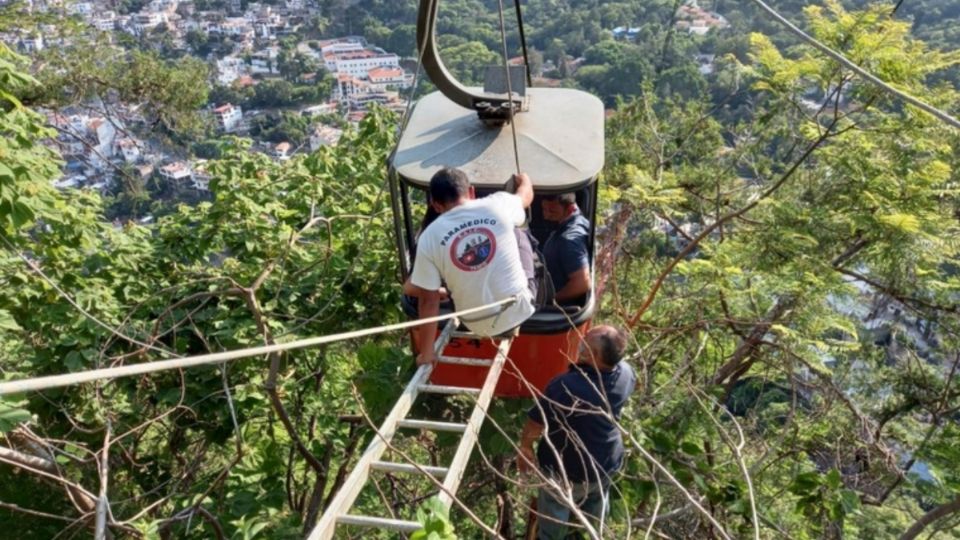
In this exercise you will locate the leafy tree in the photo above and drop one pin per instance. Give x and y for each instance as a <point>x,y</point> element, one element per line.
<point>142,282</point>
<point>468,61</point>
<point>293,65</point>
<point>286,127</point>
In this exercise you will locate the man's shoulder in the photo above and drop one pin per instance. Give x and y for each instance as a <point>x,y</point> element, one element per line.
<point>568,382</point>
<point>501,201</point>
<point>577,230</point>
<point>432,231</point>
<point>628,376</point>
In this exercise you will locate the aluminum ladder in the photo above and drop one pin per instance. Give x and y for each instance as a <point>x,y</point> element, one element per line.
<point>337,513</point>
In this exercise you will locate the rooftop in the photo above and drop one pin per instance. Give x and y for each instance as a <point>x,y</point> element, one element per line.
<point>385,73</point>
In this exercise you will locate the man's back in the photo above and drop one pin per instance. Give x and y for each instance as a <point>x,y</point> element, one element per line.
<point>473,248</point>
<point>575,408</point>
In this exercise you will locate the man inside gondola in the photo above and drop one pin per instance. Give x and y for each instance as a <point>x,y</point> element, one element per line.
<point>566,250</point>
<point>474,247</point>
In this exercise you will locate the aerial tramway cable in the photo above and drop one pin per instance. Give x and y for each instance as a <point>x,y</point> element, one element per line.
<point>523,42</point>
<point>506,72</point>
<point>876,81</point>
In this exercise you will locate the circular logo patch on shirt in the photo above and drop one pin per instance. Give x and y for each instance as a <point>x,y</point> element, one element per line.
<point>473,248</point>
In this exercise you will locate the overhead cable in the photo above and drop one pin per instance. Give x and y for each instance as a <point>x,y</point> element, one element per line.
<point>506,72</point>
<point>857,69</point>
<point>70,379</point>
<point>523,42</point>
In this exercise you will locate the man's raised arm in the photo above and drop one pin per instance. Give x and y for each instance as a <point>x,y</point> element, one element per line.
<point>524,188</point>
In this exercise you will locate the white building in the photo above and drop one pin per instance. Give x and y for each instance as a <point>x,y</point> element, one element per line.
<point>229,69</point>
<point>103,137</point>
<point>358,63</point>
<point>104,21</point>
<point>264,61</point>
<point>145,21</point>
<point>68,182</point>
<point>229,117</point>
<point>129,149</point>
<point>178,172</point>
<point>32,44</point>
<point>696,20</point>
<point>341,45</point>
<point>324,136</point>
<point>201,177</point>
<point>166,6</point>
<point>361,102</point>
<point>705,63</point>
<point>348,85</point>
<point>84,9</point>
<point>323,108</point>
<point>383,77</point>
<point>282,151</point>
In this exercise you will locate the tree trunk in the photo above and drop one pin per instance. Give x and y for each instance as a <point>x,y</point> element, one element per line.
<point>609,239</point>
<point>747,345</point>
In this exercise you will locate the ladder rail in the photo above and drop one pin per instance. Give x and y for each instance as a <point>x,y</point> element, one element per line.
<point>468,441</point>
<point>354,483</point>
<point>381,523</point>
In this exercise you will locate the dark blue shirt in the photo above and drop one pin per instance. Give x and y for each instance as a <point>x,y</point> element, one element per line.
<point>573,408</point>
<point>565,250</point>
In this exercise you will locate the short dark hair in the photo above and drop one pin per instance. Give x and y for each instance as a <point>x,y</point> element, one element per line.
<point>612,346</point>
<point>566,199</point>
<point>449,185</point>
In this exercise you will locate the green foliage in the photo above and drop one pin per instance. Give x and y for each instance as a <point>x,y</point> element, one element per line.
<point>788,292</point>
<point>807,339</point>
<point>26,166</point>
<point>11,417</point>
<point>435,518</point>
<point>468,60</point>
<point>169,92</point>
<point>286,126</point>
<point>273,93</point>
<point>316,245</point>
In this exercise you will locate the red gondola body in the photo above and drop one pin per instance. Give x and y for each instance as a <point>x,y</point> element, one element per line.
<point>534,359</point>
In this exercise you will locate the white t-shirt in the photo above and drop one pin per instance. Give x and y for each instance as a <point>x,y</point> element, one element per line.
<point>473,248</point>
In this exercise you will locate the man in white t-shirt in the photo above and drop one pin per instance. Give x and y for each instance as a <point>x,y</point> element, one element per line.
<point>475,248</point>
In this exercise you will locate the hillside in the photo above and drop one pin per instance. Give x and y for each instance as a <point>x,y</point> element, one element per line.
<point>776,236</point>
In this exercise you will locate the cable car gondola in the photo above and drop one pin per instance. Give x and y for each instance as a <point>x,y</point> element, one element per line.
<point>555,134</point>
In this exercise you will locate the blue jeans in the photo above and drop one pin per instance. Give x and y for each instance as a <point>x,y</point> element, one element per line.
<point>591,498</point>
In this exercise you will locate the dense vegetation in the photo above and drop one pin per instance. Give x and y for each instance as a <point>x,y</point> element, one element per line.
<point>780,237</point>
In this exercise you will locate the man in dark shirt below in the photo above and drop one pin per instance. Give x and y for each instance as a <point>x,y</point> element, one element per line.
<point>565,251</point>
<point>583,447</point>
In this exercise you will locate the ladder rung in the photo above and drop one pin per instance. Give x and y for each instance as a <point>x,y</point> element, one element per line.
<point>439,389</point>
<point>389,466</point>
<point>461,361</point>
<point>432,426</point>
<point>379,523</point>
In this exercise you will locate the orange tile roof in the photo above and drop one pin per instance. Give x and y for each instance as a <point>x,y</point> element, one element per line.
<point>385,73</point>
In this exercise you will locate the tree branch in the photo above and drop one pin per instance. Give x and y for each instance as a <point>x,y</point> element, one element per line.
<point>937,513</point>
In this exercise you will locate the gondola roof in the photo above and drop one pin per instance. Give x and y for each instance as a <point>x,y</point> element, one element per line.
<point>560,142</point>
